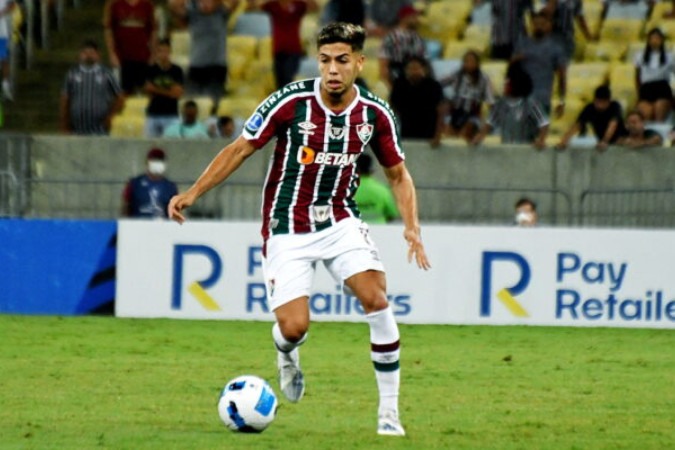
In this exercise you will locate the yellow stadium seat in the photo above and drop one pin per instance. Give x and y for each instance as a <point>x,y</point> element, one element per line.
<point>371,48</point>
<point>559,125</point>
<point>457,49</point>
<point>583,78</point>
<point>204,105</point>
<point>621,30</point>
<point>477,33</point>
<point>441,27</point>
<point>135,106</point>
<point>127,126</point>
<point>234,15</point>
<point>245,46</point>
<point>593,15</point>
<point>259,80</point>
<point>241,107</point>
<point>265,52</point>
<point>496,72</point>
<point>605,51</point>
<point>660,10</point>
<point>309,28</point>
<point>666,25</point>
<point>180,44</point>
<point>236,67</point>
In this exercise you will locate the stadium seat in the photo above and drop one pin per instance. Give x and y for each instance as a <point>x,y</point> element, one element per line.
<point>457,49</point>
<point>593,15</point>
<point>584,78</point>
<point>444,21</point>
<point>434,49</point>
<point>135,106</point>
<point>180,44</point>
<point>559,125</point>
<point>308,68</point>
<point>253,24</point>
<point>259,80</point>
<point>443,68</point>
<point>477,33</point>
<point>666,25</point>
<point>264,50</point>
<point>605,51</point>
<point>660,10</point>
<point>371,48</point>
<point>204,104</point>
<point>619,10</point>
<point>309,28</point>
<point>481,15</point>
<point>371,72</point>
<point>621,30</point>
<point>127,126</point>
<point>496,72</point>
<point>236,68</point>
<point>238,107</point>
<point>244,46</point>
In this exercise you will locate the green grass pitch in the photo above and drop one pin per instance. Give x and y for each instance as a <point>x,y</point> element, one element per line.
<point>92,382</point>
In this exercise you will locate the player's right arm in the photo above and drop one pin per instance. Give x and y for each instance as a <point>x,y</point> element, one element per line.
<point>223,165</point>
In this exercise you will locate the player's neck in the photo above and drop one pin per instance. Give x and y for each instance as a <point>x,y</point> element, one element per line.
<point>338,104</point>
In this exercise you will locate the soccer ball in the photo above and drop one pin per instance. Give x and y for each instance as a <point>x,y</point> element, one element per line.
<point>247,404</point>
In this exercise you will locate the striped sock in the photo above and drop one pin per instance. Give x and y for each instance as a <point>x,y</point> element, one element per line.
<point>384,339</point>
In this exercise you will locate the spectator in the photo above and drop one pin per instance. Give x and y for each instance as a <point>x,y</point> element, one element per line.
<point>518,115</point>
<point>373,198</point>
<point>349,11</point>
<point>226,128</point>
<point>653,68</point>
<point>165,87</point>
<point>563,14</point>
<point>207,25</point>
<point>417,99</point>
<point>383,15</point>
<point>188,127</point>
<point>286,17</point>
<point>91,95</point>
<point>401,44</point>
<point>508,26</point>
<point>471,88</point>
<point>543,58</point>
<point>638,136</point>
<point>148,195</point>
<point>604,115</point>
<point>526,213</point>
<point>130,35</point>
<point>6,9</point>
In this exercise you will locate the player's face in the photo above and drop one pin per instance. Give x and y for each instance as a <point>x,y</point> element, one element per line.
<point>163,53</point>
<point>339,66</point>
<point>89,56</point>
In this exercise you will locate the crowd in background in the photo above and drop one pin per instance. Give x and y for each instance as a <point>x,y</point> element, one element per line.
<point>463,104</point>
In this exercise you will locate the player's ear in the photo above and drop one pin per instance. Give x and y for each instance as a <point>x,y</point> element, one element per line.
<point>360,60</point>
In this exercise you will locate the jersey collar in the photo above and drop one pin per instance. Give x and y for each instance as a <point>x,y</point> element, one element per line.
<point>327,110</point>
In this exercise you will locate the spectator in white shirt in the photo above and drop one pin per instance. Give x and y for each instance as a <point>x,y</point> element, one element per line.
<point>653,67</point>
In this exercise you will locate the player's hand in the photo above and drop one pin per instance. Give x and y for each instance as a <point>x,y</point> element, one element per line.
<point>416,249</point>
<point>601,146</point>
<point>177,204</point>
<point>562,145</point>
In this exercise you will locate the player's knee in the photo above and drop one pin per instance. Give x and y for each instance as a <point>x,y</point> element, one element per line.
<point>293,329</point>
<point>374,301</point>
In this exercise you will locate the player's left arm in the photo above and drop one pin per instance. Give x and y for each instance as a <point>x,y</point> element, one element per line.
<point>403,188</point>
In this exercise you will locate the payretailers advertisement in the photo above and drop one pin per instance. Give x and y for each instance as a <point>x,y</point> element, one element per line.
<point>480,275</point>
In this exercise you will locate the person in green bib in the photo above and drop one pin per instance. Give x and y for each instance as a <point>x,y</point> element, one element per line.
<point>373,198</point>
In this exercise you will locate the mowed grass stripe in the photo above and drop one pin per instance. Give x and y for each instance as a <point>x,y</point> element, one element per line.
<point>92,382</point>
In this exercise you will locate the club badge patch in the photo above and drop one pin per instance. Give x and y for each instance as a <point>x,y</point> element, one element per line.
<point>364,132</point>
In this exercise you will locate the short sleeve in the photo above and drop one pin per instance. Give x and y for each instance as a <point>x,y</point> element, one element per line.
<point>495,117</point>
<point>266,120</point>
<point>537,114</point>
<point>637,60</point>
<point>114,85</point>
<point>488,95</point>
<point>616,112</point>
<point>584,116</point>
<point>386,142</point>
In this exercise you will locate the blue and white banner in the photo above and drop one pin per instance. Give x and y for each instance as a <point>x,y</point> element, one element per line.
<point>480,275</point>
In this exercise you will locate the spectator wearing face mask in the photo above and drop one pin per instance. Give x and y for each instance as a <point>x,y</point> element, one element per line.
<point>526,213</point>
<point>148,195</point>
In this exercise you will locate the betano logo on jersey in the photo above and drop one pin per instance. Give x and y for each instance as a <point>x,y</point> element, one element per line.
<point>308,156</point>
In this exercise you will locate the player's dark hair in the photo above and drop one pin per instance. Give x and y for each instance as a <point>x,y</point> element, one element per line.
<point>224,120</point>
<point>89,43</point>
<point>342,32</point>
<point>603,92</point>
<point>475,76</point>
<point>519,80</point>
<point>526,201</point>
<point>364,165</point>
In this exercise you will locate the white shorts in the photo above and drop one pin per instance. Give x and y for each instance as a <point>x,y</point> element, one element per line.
<point>345,249</point>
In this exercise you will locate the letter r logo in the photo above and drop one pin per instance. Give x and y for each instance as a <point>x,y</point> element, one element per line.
<point>196,288</point>
<point>507,294</point>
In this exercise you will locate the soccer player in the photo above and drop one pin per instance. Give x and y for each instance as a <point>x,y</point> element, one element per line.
<point>309,215</point>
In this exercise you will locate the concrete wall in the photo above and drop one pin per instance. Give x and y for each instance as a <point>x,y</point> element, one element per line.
<point>456,183</point>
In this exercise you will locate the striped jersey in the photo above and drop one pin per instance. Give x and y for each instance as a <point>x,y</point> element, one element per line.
<point>519,119</point>
<point>312,178</point>
<point>508,20</point>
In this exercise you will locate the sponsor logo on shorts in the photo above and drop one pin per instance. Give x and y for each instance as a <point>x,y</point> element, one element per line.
<point>254,122</point>
<point>308,156</point>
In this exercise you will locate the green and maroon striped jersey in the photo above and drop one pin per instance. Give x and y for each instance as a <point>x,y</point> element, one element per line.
<point>312,178</point>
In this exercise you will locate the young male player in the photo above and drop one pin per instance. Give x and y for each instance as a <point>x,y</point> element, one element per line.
<point>309,215</point>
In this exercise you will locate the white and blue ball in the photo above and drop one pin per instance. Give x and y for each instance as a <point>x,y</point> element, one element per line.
<point>247,404</point>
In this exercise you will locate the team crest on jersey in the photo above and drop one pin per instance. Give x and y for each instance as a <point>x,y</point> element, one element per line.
<point>306,128</point>
<point>337,133</point>
<point>364,132</point>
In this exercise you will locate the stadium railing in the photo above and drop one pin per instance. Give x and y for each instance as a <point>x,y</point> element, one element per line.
<point>652,208</point>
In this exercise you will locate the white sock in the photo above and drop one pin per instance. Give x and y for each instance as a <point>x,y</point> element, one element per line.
<point>283,344</point>
<point>384,344</point>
